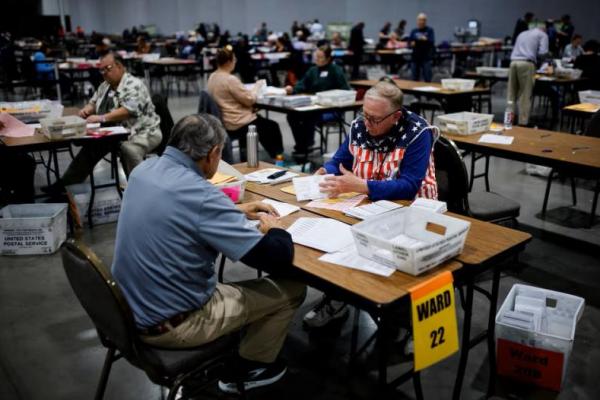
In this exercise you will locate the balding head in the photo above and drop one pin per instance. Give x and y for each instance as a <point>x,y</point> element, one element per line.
<point>421,20</point>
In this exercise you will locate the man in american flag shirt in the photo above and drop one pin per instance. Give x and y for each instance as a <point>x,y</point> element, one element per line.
<point>388,155</point>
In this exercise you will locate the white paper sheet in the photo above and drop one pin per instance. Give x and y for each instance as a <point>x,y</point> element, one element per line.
<point>307,188</point>
<point>261,176</point>
<point>372,209</point>
<point>282,208</point>
<point>428,88</point>
<point>350,258</point>
<point>495,139</point>
<point>323,234</point>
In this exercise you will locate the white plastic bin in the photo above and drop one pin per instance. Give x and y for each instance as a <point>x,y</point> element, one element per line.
<point>63,127</point>
<point>540,357</point>
<point>569,73</point>
<point>458,84</point>
<point>27,229</point>
<point>464,123</point>
<point>234,190</point>
<point>401,239</point>
<point>589,96</point>
<point>336,97</point>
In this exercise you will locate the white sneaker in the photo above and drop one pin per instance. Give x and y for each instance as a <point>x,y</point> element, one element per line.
<point>409,347</point>
<point>326,312</point>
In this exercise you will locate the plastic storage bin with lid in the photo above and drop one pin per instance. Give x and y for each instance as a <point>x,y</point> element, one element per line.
<point>535,331</point>
<point>336,97</point>
<point>233,189</point>
<point>464,123</point>
<point>493,71</point>
<point>63,127</point>
<point>410,239</point>
<point>589,96</point>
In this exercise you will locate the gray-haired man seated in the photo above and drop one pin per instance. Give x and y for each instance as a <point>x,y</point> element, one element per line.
<point>172,226</point>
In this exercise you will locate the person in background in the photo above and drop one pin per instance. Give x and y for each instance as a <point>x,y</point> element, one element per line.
<point>337,42</point>
<point>552,39</point>
<point>387,155</point>
<point>522,25</point>
<point>357,45</point>
<point>167,274</point>
<point>244,65</point>
<point>79,32</point>
<point>295,28</point>
<point>573,49</point>
<point>565,33</point>
<point>530,49</point>
<point>316,30</point>
<point>236,104</point>
<point>44,71</point>
<point>121,99</point>
<point>401,29</point>
<point>422,41</point>
<point>262,32</point>
<point>384,34</point>
<point>142,47</point>
<point>394,42</point>
<point>18,186</point>
<point>324,75</point>
<point>589,64</point>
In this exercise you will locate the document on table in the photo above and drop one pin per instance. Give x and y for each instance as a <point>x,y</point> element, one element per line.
<point>13,127</point>
<point>372,209</point>
<point>350,258</point>
<point>495,139</point>
<point>323,234</point>
<point>261,176</point>
<point>343,202</point>
<point>282,208</point>
<point>220,177</point>
<point>307,188</point>
<point>428,88</point>
<point>289,189</point>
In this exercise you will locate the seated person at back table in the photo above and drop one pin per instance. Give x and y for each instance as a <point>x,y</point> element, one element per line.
<point>388,155</point>
<point>120,99</point>
<point>173,225</point>
<point>236,104</point>
<point>324,75</point>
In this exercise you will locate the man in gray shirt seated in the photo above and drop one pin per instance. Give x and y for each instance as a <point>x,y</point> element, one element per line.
<point>172,226</point>
<point>530,47</point>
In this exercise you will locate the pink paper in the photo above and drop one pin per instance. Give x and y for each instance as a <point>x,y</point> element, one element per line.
<point>233,192</point>
<point>13,127</point>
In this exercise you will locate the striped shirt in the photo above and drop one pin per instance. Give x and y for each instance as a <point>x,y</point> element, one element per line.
<point>398,165</point>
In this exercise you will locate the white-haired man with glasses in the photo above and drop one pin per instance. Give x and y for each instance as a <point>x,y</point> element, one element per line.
<point>387,155</point>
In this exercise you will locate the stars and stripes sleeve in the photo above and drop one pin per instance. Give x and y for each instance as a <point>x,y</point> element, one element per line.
<point>343,156</point>
<point>412,172</point>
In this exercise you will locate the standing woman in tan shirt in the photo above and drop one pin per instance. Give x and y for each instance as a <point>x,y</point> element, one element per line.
<point>236,104</point>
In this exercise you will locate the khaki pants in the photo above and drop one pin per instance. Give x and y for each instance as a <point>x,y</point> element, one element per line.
<point>520,87</point>
<point>132,150</point>
<point>264,306</point>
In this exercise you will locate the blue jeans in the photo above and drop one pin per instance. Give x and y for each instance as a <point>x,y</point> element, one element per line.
<point>421,67</point>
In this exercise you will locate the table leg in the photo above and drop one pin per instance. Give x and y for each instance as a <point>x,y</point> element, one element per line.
<point>466,340</point>
<point>382,346</point>
<point>491,342</point>
<point>92,195</point>
<point>115,168</point>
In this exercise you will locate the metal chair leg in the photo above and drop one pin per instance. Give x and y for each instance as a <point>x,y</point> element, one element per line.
<point>108,360</point>
<point>594,204</point>
<point>221,268</point>
<point>417,385</point>
<point>574,191</point>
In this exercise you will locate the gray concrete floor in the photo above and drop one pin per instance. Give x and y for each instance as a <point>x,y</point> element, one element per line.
<point>49,349</point>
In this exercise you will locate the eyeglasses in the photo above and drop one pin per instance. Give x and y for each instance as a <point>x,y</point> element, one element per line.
<point>107,69</point>
<point>376,121</point>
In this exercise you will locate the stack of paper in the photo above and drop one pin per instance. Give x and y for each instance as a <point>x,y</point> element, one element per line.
<point>294,101</point>
<point>495,139</point>
<point>428,88</point>
<point>430,205</point>
<point>325,234</point>
<point>350,258</point>
<point>527,313</point>
<point>307,188</point>
<point>372,209</point>
<point>219,177</point>
<point>262,175</point>
<point>343,202</point>
<point>12,127</point>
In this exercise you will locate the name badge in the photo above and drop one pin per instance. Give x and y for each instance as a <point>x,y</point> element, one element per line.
<point>324,74</point>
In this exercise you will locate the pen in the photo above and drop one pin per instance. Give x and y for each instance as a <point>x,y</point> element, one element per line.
<point>277,174</point>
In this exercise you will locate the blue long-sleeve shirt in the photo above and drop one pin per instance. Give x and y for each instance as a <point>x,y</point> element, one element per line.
<point>422,49</point>
<point>397,167</point>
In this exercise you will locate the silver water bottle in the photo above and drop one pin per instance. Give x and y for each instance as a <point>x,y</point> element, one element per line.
<point>252,146</point>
